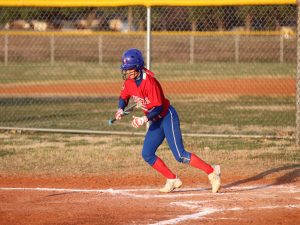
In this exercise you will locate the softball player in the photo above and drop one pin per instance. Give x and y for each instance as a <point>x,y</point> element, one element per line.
<point>141,85</point>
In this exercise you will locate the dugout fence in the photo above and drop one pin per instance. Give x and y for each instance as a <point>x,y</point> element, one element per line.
<point>229,67</point>
<point>50,46</point>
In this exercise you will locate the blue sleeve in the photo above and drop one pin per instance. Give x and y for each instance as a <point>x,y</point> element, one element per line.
<point>154,112</point>
<point>122,103</point>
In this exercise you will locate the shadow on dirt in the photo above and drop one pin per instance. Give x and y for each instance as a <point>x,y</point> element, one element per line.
<point>289,177</point>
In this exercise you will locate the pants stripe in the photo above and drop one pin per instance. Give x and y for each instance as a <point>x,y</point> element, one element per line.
<point>174,133</point>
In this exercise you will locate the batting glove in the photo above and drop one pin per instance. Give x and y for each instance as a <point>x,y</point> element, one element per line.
<point>139,121</point>
<point>119,114</point>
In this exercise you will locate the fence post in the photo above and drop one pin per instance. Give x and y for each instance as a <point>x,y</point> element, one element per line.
<point>281,47</point>
<point>298,79</point>
<point>52,48</point>
<point>192,43</point>
<point>129,18</point>
<point>5,49</point>
<point>148,48</point>
<point>100,49</point>
<point>237,48</point>
<point>192,46</point>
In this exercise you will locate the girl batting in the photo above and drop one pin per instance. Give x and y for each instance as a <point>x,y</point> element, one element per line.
<point>141,85</point>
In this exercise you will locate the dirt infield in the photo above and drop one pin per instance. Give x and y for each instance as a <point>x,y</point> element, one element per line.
<point>263,86</point>
<point>271,197</point>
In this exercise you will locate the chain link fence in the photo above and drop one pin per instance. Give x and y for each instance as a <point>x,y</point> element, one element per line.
<point>228,70</point>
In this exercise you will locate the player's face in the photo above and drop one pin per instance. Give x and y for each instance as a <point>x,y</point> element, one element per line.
<point>131,74</point>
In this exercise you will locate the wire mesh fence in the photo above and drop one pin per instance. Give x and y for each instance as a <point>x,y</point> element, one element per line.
<point>228,70</point>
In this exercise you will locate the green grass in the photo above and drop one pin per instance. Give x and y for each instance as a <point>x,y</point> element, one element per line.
<point>44,72</point>
<point>242,115</point>
<point>294,156</point>
<point>41,153</point>
<point>77,143</point>
<point>7,153</point>
<point>229,144</point>
<point>248,115</point>
<point>74,154</point>
<point>221,70</point>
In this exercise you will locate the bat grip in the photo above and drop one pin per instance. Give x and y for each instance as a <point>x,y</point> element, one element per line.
<point>126,112</point>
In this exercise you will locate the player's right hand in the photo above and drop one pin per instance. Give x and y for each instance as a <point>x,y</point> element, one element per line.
<point>119,114</point>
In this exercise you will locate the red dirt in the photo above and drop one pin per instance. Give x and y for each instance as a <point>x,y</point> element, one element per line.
<point>264,86</point>
<point>270,197</point>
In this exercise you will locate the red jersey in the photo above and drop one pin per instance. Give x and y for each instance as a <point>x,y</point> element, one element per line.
<point>148,94</point>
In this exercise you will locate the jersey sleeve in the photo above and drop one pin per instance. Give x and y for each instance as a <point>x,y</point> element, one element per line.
<point>122,103</point>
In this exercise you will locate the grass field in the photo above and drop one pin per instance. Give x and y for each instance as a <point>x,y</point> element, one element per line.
<point>67,154</point>
<point>62,72</point>
<point>235,115</point>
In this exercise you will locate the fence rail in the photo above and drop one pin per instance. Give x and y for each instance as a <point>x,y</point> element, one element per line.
<point>239,46</point>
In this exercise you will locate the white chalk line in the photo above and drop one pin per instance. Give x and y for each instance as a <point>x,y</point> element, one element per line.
<point>182,192</point>
<point>183,218</point>
<point>126,192</point>
<point>206,211</point>
<point>195,205</point>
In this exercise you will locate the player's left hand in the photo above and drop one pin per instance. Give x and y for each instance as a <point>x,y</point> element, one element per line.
<point>119,114</point>
<point>139,121</point>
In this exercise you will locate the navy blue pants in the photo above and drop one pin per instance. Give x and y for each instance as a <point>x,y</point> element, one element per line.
<point>169,128</point>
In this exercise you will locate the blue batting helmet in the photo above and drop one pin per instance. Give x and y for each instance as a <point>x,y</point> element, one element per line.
<point>132,59</point>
